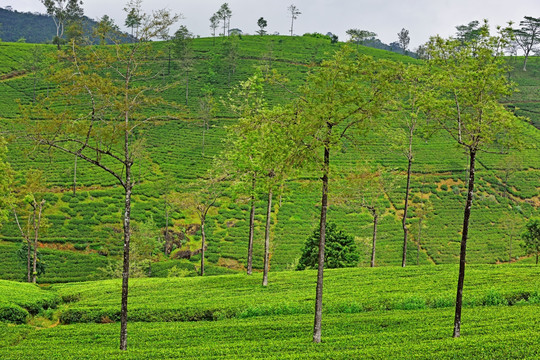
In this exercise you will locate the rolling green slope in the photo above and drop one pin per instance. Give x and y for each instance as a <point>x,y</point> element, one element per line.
<point>88,223</point>
<point>380,313</point>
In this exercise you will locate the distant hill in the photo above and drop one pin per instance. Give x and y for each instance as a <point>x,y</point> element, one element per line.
<point>32,27</point>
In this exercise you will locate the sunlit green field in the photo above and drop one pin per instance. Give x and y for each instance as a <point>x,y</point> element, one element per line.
<point>376,313</point>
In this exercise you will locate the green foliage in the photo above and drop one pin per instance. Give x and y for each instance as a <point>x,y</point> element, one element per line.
<point>13,314</point>
<point>22,254</point>
<point>340,250</point>
<point>531,237</point>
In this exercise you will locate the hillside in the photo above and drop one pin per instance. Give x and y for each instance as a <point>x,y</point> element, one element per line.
<point>31,27</point>
<point>87,224</point>
<point>378,313</point>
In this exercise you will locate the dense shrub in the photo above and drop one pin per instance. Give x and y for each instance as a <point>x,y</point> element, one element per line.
<point>340,250</point>
<point>13,313</point>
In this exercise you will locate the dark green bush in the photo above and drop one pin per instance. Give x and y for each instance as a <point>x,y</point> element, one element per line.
<point>340,250</point>
<point>13,314</point>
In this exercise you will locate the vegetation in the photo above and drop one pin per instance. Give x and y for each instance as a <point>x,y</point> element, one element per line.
<point>282,117</point>
<point>341,251</point>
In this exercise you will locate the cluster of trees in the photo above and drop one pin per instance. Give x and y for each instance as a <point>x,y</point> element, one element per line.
<point>458,91</point>
<point>109,99</point>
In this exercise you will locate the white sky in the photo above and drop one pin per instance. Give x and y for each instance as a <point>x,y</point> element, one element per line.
<point>422,18</point>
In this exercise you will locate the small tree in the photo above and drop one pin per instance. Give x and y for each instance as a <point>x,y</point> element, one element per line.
<point>528,36</point>
<point>201,201</point>
<point>62,12</point>
<point>261,23</point>
<point>531,237</point>
<point>360,36</point>
<point>214,24</point>
<point>183,49</point>
<point>134,17</point>
<point>404,127</point>
<point>340,250</point>
<point>31,203</point>
<point>404,39</point>
<point>468,33</point>
<point>207,111</point>
<point>294,12</point>
<point>224,13</point>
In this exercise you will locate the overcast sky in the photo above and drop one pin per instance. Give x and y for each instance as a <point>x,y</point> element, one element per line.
<point>422,18</point>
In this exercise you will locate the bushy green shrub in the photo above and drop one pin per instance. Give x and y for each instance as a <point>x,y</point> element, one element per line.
<point>340,250</point>
<point>13,314</point>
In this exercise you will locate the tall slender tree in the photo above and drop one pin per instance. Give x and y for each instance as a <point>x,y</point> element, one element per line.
<point>468,84</point>
<point>183,49</point>
<point>404,126</point>
<point>107,96</point>
<point>214,24</point>
<point>343,95</point>
<point>293,12</point>
<point>224,14</point>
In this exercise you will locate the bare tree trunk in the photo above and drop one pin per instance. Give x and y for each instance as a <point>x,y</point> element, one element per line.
<point>187,87</point>
<point>267,239</point>
<point>404,221</point>
<point>251,229</point>
<point>75,176</point>
<point>292,23</point>
<point>37,224</point>
<point>463,252</point>
<point>169,64</point>
<point>322,241</point>
<point>125,270</point>
<point>29,261</point>
<point>203,235</point>
<point>375,221</point>
<point>166,249</point>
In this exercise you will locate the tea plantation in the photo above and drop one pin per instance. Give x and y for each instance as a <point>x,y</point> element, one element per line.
<point>374,313</point>
<point>83,233</point>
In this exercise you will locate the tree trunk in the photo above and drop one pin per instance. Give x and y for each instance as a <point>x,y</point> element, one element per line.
<point>292,23</point>
<point>267,239</point>
<point>525,61</point>
<point>187,87</point>
<point>404,221</point>
<point>510,246</point>
<point>34,263</point>
<point>251,229</point>
<point>125,270</point>
<point>418,247</point>
<point>29,261</point>
<point>375,221</point>
<point>464,234</point>
<point>322,241</point>
<point>166,249</point>
<point>203,235</point>
<point>169,64</point>
<point>75,176</point>
<point>36,224</point>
